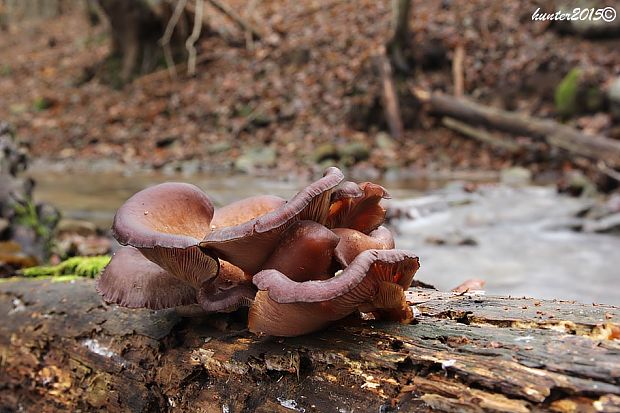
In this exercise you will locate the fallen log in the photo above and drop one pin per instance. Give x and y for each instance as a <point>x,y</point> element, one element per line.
<point>594,147</point>
<point>63,349</point>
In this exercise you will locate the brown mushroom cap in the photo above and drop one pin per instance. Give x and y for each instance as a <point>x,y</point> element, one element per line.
<point>362,213</point>
<point>248,245</point>
<point>245,210</point>
<point>353,242</point>
<point>375,281</point>
<point>305,251</point>
<point>170,215</point>
<point>165,222</point>
<point>131,280</point>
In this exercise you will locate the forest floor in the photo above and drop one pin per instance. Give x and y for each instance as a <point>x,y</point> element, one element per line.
<point>303,97</point>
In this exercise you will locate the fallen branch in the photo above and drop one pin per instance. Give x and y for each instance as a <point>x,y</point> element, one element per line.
<point>181,67</point>
<point>244,25</point>
<point>480,135</point>
<point>390,97</point>
<point>320,7</point>
<point>612,173</point>
<point>596,147</point>
<point>457,71</point>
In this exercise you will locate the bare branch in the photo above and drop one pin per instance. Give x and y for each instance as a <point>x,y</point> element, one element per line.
<point>190,44</point>
<point>165,40</point>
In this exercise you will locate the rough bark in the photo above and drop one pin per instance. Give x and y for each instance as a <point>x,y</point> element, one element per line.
<point>62,349</point>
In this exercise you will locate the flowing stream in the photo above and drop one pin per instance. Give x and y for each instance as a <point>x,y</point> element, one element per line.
<point>522,242</point>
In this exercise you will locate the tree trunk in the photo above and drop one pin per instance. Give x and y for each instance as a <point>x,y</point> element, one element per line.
<point>136,28</point>
<point>399,40</point>
<point>62,349</point>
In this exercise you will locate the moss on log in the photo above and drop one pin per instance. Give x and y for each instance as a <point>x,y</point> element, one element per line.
<point>62,349</point>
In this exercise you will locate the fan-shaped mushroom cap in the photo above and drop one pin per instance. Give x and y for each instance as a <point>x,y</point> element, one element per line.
<point>131,280</point>
<point>305,251</point>
<point>375,281</point>
<point>362,213</point>
<point>166,222</point>
<point>245,210</point>
<point>248,245</point>
<point>353,242</point>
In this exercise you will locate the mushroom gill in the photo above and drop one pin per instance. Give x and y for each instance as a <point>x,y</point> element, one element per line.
<point>374,281</point>
<point>165,222</point>
<point>130,280</point>
<point>361,212</point>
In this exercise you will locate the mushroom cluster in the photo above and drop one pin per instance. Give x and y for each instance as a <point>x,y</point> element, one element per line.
<point>298,264</point>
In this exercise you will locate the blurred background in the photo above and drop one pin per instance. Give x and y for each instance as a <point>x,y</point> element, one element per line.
<point>496,133</point>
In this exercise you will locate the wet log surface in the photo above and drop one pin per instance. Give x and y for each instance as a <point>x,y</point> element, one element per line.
<point>62,349</point>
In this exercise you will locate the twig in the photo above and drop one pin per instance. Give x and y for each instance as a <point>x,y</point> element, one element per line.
<point>191,40</point>
<point>612,173</point>
<point>457,70</point>
<point>249,37</point>
<point>165,40</point>
<point>390,97</point>
<point>319,7</point>
<point>480,135</point>
<point>160,74</point>
<point>232,15</point>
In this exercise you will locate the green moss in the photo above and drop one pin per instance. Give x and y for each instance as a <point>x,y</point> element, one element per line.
<point>75,267</point>
<point>41,103</point>
<point>65,278</point>
<point>5,70</point>
<point>26,215</point>
<point>566,93</point>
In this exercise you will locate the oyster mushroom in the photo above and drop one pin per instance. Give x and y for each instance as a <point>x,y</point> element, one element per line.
<point>359,211</point>
<point>133,281</point>
<point>166,222</point>
<point>249,244</point>
<point>373,282</point>
<point>306,250</point>
<point>245,210</point>
<point>353,242</point>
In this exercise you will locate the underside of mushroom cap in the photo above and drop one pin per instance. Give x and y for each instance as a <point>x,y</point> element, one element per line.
<point>353,242</point>
<point>230,290</point>
<point>166,222</point>
<point>362,213</point>
<point>248,245</point>
<point>131,280</point>
<point>374,281</point>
